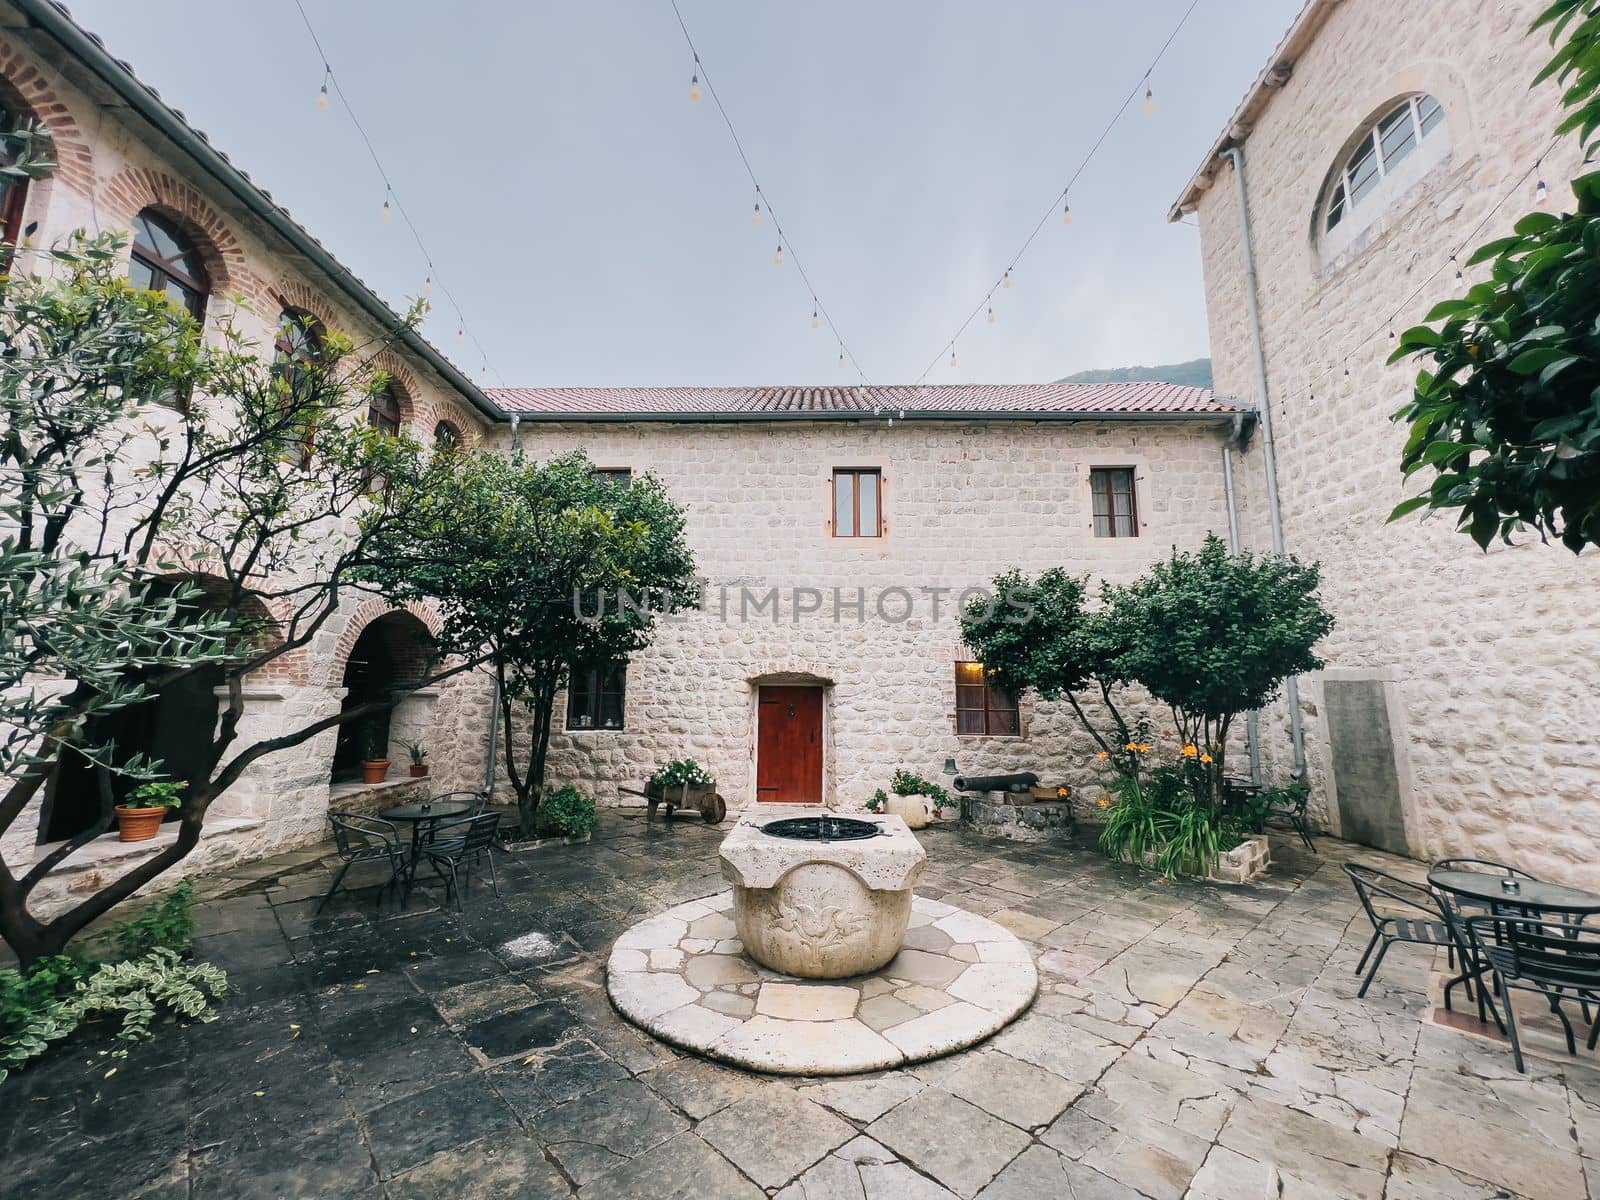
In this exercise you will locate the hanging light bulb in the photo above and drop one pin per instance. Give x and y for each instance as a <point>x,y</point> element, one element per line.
<point>1149,99</point>
<point>385,212</point>
<point>1460,278</point>
<point>1391,333</point>
<point>815,319</point>
<point>902,414</point>
<point>841,360</point>
<point>322,95</point>
<point>952,356</point>
<point>427,284</point>
<point>777,258</point>
<point>1541,193</point>
<point>755,217</point>
<point>461,333</point>
<point>1066,211</point>
<point>1006,281</point>
<point>694,88</point>
<point>991,314</point>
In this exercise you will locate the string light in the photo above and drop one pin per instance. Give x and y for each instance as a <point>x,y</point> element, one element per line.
<point>841,358</point>
<point>755,217</point>
<point>952,356</point>
<point>816,321</point>
<point>694,88</point>
<point>1149,98</point>
<point>1006,281</point>
<point>777,258</point>
<point>902,414</point>
<point>1066,211</point>
<point>1541,193</point>
<point>991,314</point>
<point>392,203</point>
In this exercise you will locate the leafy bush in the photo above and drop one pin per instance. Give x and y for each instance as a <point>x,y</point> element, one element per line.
<point>904,783</point>
<point>157,793</point>
<point>60,993</point>
<point>680,771</point>
<point>1158,816</point>
<point>566,812</point>
<point>879,801</point>
<point>165,924</point>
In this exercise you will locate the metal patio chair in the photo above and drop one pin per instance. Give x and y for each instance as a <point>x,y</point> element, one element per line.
<point>479,799</point>
<point>1292,816</point>
<point>362,839</point>
<point>1400,911</point>
<point>453,847</point>
<point>1553,958</point>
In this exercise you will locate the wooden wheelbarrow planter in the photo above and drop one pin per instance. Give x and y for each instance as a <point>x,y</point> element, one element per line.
<point>702,797</point>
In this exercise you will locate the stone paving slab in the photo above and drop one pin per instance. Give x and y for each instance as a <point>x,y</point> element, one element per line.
<point>1203,1042</point>
<point>681,976</point>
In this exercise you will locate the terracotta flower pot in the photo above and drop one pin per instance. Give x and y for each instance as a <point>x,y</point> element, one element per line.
<point>138,824</point>
<point>374,770</point>
<point>419,770</point>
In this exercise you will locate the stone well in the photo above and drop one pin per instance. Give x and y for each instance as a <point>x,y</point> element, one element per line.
<point>821,908</point>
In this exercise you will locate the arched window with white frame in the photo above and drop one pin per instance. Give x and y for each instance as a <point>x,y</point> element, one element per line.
<point>1391,155</point>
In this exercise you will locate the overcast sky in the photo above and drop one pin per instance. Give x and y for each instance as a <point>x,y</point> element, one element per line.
<point>595,225</point>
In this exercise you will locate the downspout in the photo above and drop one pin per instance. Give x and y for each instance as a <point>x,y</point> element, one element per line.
<point>1269,456</point>
<point>1252,719</point>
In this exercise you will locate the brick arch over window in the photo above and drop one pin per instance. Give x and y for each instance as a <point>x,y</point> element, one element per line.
<point>291,293</point>
<point>22,84</point>
<point>132,191</point>
<point>369,611</point>
<point>407,389</point>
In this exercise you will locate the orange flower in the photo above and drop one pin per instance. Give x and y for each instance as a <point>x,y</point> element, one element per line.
<point>1102,755</point>
<point>1206,758</point>
<point>1103,802</point>
<point>1190,750</point>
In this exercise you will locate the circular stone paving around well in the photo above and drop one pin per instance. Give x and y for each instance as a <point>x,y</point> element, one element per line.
<point>683,976</point>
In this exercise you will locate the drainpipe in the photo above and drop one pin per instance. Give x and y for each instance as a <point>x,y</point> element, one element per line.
<point>516,419</point>
<point>1269,454</point>
<point>1252,719</point>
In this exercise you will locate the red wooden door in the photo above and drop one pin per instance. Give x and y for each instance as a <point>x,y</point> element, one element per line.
<point>789,745</point>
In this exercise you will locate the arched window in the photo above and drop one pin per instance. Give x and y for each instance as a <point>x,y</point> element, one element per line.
<point>383,411</point>
<point>13,188</point>
<point>446,436</point>
<point>1389,156</point>
<point>164,260</point>
<point>299,337</point>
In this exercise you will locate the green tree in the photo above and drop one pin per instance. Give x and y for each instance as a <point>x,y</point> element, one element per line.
<point>1217,635</point>
<point>171,503</point>
<point>1040,634</point>
<point>538,568</point>
<point>1505,416</point>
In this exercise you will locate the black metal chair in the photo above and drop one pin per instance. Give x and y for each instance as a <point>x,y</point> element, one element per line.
<point>1558,960</point>
<point>453,847</point>
<point>362,839</point>
<point>479,799</point>
<point>1292,815</point>
<point>1419,919</point>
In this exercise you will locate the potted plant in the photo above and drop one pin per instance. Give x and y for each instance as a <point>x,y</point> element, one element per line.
<point>419,759</point>
<point>566,816</point>
<point>140,818</point>
<point>914,799</point>
<point>682,783</point>
<point>879,802</point>
<point>375,763</point>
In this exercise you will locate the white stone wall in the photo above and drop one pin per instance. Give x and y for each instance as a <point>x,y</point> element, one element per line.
<point>1494,657</point>
<point>108,171</point>
<point>962,502</point>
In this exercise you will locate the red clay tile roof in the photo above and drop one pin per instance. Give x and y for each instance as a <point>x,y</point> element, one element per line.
<point>991,401</point>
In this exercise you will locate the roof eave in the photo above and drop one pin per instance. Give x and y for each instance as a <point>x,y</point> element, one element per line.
<point>1277,72</point>
<point>50,18</point>
<point>545,417</point>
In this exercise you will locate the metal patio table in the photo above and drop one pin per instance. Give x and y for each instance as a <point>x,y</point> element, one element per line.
<point>423,815</point>
<point>1530,897</point>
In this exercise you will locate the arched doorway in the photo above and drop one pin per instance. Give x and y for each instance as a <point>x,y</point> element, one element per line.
<point>393,653</point>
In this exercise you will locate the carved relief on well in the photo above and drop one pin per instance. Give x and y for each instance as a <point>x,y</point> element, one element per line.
<point>821,922</point>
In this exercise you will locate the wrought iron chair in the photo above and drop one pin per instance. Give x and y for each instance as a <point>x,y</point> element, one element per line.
<point>1292,816</point>
<point>453,847</point>
<point>1419,919</point>
<point>1558,960</point>
<point>479,800</point>
<point>362,839</point>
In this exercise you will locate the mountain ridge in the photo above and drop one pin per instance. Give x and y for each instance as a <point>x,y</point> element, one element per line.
<point>1194,373</point>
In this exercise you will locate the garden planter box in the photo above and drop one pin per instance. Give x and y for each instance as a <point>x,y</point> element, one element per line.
<point>543,843</point>
<point>1247,861</point>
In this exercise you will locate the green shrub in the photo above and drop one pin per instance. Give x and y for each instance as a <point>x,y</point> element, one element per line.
<point>58,994</point>
<point>904,783</point>
<point>879,801</point>
<point>1157,815</point>
<point>566,812</point>
<point>165,924</point>
<point>157,793</point>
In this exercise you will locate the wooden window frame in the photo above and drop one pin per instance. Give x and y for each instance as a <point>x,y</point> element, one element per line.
<point>169,270</point>
<point>1000,715</point>
<point>1108,473</point>
<point>447,436</point>
<point>587,701</point>
<point>384,412</point>
<point>622,475</point>
<point>854,474</point>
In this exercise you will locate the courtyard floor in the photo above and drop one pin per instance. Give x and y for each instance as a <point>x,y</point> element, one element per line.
<point>1187,1041</point>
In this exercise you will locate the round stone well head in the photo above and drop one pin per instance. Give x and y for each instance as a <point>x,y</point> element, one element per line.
<point>827,904</point>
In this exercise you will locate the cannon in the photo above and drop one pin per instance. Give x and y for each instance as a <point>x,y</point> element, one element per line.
<point>1020,781</point>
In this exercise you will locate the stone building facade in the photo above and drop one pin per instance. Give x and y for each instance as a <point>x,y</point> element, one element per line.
<point>854,618</point>
<point>1457,713</point>
<point>121,153</point>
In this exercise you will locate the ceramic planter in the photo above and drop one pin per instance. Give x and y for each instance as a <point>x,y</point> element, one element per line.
<point>915,811</point>
<point>374,770</point>
<point>419,770</point>
<point>138,824</point>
